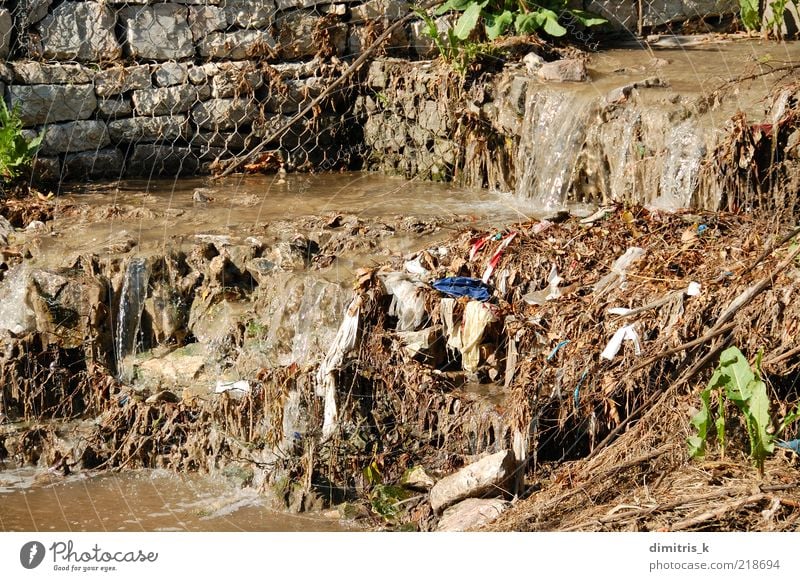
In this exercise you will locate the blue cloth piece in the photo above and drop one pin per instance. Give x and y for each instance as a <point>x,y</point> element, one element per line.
<point>462,286</point>
<point>793,445</point>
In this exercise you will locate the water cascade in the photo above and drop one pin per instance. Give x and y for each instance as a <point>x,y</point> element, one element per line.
<point>131,305</point>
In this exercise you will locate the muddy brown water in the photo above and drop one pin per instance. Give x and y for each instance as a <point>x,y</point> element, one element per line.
<point>142,500</point>
<point>163,213</point>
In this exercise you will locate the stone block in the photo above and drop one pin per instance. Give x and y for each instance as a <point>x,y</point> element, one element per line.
<point>33,73</point>
<point>248,13</point>
<point>237,45</point>
<point>6,28</point>
<point>204,20</point>
<point>158,32</point>
<point>106,163</point>
<point>40,104</point>
<point>299,37</point>
<point>161,160</point>
<point>170,74</point>
<point>37,9</point>
<point>224,114</point>
<point>391,9</point>
<point>148,129</point>
<point>81,31</point>
<point>46,169</point>
<point>74,136</point>
<point>118,80</point>
<point>165,100</point>
<point>114,107</point>
<point>236,79</point>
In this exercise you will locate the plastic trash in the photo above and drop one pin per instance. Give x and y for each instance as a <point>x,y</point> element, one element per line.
<point>487,274</point>
<point>463,286</point>
<point>624,333</point>
<point>476,316</point>
<point>407,303</point>
<point>344,342</point>
<point>619,311</point>
<point>621,265</point>
<point>693,290</point>
<point>793,445</point>
<point>235,389</point>
<point>415,267</point>
<point>557,348</point>
<point>549,293</point>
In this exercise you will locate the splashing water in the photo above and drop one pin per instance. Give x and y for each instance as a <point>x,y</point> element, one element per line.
<point>553,132</point>
<point>131,305</point>
<point>685,151</point>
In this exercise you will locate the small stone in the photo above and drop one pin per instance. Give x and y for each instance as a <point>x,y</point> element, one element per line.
<point>169,74</point>
<point>417,478</point>
<point>565,70</point>
<point>163,396</point>
<point>486,476</point>
<point>533,62</point>
<point>471,513</point>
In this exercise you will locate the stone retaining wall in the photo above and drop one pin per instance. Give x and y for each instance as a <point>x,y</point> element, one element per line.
<point>140,87</point>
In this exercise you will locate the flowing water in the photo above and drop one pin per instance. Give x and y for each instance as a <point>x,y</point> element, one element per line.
<point>145,500</point>
<point>579,142</point>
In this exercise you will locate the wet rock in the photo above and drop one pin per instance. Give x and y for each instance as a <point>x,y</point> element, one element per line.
<point>206,19</point>
<point>201,196</point>
<point>6,229</point>
<point>106,163</point>
<point>237,45</point>
<point>75,136</point>
<point>261,269</point>
<point>33,73</point>
<point>565,70</point>
<point>170,74</point>
<point>417,478</point>
<point>139,129</point>
<point>149,160</point>
<point>62,305</point>
<point>41,104</point>
<point>158,32</point>
<point>118,80</point>
<point>164,396</point>
<point>296,34</point>
<point>164,100</point>
<point>486,476</point>
<point>80,31</point>
<point>621,14</point>
<point>224,114</point>
<point>175,369</point>
<point>248,13</point>
<point>471,513</point>
<point>46,169</point>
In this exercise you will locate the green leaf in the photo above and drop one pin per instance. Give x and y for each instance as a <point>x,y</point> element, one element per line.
<point>453,5</point>
<point>697,444</point>
<point>468,21</point>
<point>527,23</point>
<point>748,12</point>
<point>588,18</point>
<point>497,24</point>
<point>551,25</point>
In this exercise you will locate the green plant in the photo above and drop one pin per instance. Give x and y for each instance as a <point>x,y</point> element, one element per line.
<point>460,53</point>
<point>736,381</point>
<point>16,152</point>
<point>753,15</point>
<point>523,16</point>
<point>384,498</point>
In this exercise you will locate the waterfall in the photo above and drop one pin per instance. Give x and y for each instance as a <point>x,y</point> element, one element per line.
<point>684,154</point>
<point>553,132</point>
<point>131,305</point>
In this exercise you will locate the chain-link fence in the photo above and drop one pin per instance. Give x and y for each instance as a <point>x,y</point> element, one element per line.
<point>146,88</point>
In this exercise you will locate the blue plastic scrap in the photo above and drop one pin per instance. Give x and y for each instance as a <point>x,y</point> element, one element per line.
<point>559,346</point>
<point>463,286</point>
<point>793,445</point>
